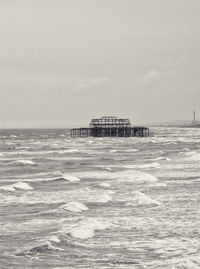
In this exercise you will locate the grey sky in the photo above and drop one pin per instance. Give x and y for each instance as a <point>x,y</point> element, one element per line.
<point>64,62</point>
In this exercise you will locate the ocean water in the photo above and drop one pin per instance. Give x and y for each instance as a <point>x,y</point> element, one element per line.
<point>100,202</point>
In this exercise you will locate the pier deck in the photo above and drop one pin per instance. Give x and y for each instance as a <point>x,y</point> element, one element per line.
<point>108,132</point>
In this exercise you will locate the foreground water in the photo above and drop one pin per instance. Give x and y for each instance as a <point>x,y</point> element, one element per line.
<point>100,203</point>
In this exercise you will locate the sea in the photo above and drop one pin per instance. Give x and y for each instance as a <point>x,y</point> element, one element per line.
<point>100,203</point>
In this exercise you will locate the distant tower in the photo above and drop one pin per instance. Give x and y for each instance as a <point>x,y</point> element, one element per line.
<point>194,118</point>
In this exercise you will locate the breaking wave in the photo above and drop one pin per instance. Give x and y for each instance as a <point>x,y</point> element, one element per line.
<point>18,185</point>
<point>188,264</point>
<point>70,178</point>
<point>41,247</point>
<point>104,185</point>
<point>25,162</point>
<point>139,198</point>
<point>85,229</point>
<point>74,207</point>
<point>127,175</point>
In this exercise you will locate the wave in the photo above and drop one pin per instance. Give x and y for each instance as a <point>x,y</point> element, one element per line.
<point>140,198</point>
<point>102,198</point>
<point>127,175</point>
<point>23,151</point>
<point>131,150</point>
<point>70,178</point>
<point>14,136</point>
<point>82,195</point>
<point>188,264</point>
<point>25,162</point>
<point>161,158</point>
<point>41,247</point>
<point>54,176</point>
<point>22,147</point>
<point>190,155</point>
<point>146,165</point>
<point>158,184</point>
<point>54,238</point>
<point>170,143</point>
<point>18,185</point>
<point>74,207</point>
<point>85,229</point>
<point>109,169</point>
<point>8,188</point>
<point>104,185</point>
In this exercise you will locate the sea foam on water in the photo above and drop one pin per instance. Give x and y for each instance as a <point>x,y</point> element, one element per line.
<point>188,264</point>
<point>74,207</point>
<point>140,198</point>
<point>18,185</point>
<point>86,228</point>
<point>70,178</point>
<point>25,162</point>
<point>127,175</point>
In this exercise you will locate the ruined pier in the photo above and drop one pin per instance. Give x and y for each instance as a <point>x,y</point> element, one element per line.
<point>110,126</point>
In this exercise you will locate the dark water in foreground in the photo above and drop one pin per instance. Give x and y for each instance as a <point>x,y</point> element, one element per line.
<point>100,203</point>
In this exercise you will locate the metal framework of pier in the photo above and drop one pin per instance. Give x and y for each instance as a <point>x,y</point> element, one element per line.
<point>110,126</point>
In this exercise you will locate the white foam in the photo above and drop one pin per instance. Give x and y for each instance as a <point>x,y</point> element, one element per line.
<point>127,175</point>
<point>131,150</point>
<point>74,207</point>
<point>22,147</point>
<point>83,195</point>
<point>7,188</point>
<point>104,185</point>
<point>141,199</point>
<point>132,175</point>
<point>158,184</point>
<point>22,185</point>
<point>82,232</point>
<point>103,198</point>
<point>1,154</point>
<point>54,238</point>
<point>171,143</point>
<point>188,264</point>
<point>191,155</point>
<point>26,162</point>
<point>70,178</point>
<point>18,185</point>
<point>85,229</point>
<point>161,158</point>
<point>146,165</point>
<point>40,247</point>
<point>109,169</point>
<point>69,151</point>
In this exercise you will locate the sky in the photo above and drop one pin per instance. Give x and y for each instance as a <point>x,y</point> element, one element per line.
<point>64,62</point>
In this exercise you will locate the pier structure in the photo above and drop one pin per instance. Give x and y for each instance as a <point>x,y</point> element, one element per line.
<point>110,126</point>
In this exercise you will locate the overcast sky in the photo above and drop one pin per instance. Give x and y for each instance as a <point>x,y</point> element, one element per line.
<point>63,62</point>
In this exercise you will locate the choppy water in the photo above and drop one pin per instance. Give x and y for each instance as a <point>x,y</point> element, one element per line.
<point>100,203</point>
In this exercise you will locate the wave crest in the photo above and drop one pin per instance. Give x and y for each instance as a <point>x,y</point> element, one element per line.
<point>140,198</point>
<point>74,207</point>
<point>25,162</point>
<point>85,229</point>
<point>18,185</point>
